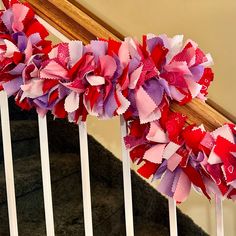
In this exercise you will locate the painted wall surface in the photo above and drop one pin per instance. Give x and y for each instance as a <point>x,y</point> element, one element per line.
<point>211,23</point>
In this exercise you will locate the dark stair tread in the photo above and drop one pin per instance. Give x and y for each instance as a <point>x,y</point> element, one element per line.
<point>23,129</point>
<point>24,137</point>
<point>28,176</point>
<point>16,113</point>
<point>150,228</point>
<point>107,208</point>
<point>68,208</point>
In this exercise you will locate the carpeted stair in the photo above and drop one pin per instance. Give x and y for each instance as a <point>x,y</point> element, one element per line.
<point>150,208</point>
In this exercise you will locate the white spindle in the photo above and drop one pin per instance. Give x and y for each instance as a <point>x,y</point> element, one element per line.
<point>84,158</point>
<point>172,217</point>
<point>219,216</point>
<point>8,164</point>
<point>127,182</point>
<point>45,163</point>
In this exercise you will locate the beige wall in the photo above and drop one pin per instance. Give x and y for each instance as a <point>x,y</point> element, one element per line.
<point>211,23</point>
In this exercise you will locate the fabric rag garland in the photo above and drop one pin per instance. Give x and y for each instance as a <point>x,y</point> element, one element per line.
<point>137,80</point>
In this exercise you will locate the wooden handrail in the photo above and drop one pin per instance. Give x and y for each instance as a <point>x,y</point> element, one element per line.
<point>199,112</point>
<point>75,22</point>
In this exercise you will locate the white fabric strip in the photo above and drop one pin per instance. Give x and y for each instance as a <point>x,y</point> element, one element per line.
<point>8,164</point>
<point>172,217</point>
<point>127,182</point>
<point>45,163</point>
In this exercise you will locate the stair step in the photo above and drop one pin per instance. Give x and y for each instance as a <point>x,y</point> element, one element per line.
<point>68,209</point>
<point>28,175</point>
<point>23,129</point>
<point>24,136</point>
<point>107,206</point>
<point>16,113</point>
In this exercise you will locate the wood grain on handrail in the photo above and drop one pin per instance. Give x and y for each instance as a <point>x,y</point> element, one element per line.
<point>199,112</point>
<point>76,22</point>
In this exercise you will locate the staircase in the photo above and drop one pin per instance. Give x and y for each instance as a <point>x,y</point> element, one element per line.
<point>150,208</point>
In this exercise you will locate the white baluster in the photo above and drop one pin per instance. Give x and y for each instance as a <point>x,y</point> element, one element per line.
<point>45,163</point>
<point>127,182</point>
<point>8,164</point>
<point>84,158</point>
<point>172,217</point>
<point>219,216</point>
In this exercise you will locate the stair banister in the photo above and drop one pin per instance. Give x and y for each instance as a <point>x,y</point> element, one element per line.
<point>75,22</point>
